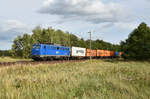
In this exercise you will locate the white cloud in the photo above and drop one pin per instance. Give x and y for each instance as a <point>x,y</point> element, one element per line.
<point>12,24</point>
<point>5,45</point>
<point>94,11</point>
<point>126,26</point>
<point>10,29</point>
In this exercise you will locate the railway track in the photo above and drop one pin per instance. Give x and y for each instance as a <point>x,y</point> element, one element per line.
<point>6,64</point>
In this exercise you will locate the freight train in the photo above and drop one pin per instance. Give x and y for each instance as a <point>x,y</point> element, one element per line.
<point>53,52</point>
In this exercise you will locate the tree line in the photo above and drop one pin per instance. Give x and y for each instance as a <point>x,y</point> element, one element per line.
<point>22,44</point>
<point>5,53</point>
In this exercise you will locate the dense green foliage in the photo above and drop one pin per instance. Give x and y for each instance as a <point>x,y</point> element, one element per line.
<point>81,80</point>
<point>137,46</point>
<point>5,53</point>
<point>22,44</point>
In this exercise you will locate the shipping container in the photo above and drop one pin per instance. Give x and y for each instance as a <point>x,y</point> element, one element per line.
<point>105,53</point>
<point>78,51</point>
<point>92,53</point>
<point>108,53</point>
<point>117,54</point>
<point>100,53</point>
<point>120,54</point>
<point>112,53</point>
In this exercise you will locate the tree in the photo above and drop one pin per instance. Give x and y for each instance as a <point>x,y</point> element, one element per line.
<point>22,46</point>
<point>27,44</point>
<point>17,47</point>
<point>137,46</point>
<point>74,40</point>
<point>36,36</point>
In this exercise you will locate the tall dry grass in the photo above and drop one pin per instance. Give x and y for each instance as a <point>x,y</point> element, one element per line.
<point>84,80</point>
<point>10,59</point>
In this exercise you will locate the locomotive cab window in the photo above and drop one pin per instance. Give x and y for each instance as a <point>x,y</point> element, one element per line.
<point>36,46</point>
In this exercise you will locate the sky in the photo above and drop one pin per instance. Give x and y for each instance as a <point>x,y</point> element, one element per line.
<point>108,20</point>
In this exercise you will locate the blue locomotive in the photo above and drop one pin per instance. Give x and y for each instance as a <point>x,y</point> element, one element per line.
<point>49,52</point>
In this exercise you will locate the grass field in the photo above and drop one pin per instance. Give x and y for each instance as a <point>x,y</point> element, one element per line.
<point>9,59</point>
<point>84,80</point>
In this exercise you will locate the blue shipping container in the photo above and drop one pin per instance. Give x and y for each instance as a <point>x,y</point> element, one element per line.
<point>116,53</point>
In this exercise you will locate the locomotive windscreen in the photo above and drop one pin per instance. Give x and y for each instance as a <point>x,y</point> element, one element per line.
<point>36,46</point>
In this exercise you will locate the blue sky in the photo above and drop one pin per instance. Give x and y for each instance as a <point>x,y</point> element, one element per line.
<point>110,20</point>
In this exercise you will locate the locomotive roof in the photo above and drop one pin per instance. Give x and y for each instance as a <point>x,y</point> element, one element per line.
<point>52,45</point>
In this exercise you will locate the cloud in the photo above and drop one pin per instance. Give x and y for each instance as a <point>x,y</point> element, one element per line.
<point>10,29</point>
<point>5,45</point>
<point>94,11</point>
<point>126,26</point>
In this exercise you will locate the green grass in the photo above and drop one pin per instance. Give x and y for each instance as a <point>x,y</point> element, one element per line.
<point>84,80</point>
<point>9,59</point>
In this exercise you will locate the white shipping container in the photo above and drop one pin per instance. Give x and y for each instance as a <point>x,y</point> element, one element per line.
<point>78,51</point>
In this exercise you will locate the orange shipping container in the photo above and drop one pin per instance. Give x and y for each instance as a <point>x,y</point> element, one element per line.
<point>112,53</point>
<point>109,53</point>
<point>120,53</point>
<point>93,52</point>
<point>100,53</point>
<point>105,52</point>
<point>88,50</point>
